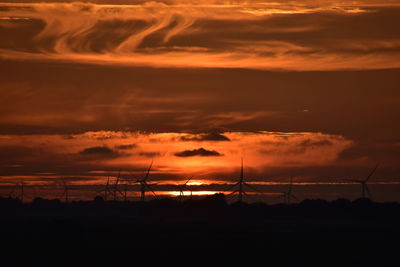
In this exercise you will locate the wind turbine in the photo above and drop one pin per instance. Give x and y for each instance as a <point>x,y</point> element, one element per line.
<point>126,189</point>
<point>144,185</point>
<point>65,191</point>
<point>241,183</point>
<point>183,187</point>
<point>106,189</point>
<point>287,195</point>
<point>115,187</point>
<point>364,187</point>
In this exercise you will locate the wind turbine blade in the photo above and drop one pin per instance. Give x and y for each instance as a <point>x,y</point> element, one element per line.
<point>188,180</point>
<point>99,191</point>
<point>372,172</point>
<point>252,187</point>
<point>293,196</point>
<point>127,180</point>
<point>148,171</point>
<point>133,177</point>
<point>232,193</point>
<point>109,190</point>
<point>103,190</point>
<point>117,181</point>
<point>290,184</point>
<point>249,196</point>
<point>232,186</point>
<point>148,186</point>
<point>122,193</point>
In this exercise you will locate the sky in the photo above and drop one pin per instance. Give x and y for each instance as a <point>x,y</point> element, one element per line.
<point>308,89</point>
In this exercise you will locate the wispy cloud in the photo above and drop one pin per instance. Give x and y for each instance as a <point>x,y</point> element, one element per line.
<point>242,34</point>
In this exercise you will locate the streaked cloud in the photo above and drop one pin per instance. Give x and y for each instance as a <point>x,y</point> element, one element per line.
<point>278,36</point>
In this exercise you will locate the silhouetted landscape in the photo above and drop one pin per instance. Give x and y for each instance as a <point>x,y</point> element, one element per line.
<point>202,232</point>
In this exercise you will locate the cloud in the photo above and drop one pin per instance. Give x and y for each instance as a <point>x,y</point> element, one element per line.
<point>205,137</point>
<point>372,152</point>
<point>126,147</point>
<point>97,150</point>
<point>271,101</point>
<point>315,143</point>
<point>198,152</point>
<point>266,154</point>
<point>235,50</point>
<point>276,36</point>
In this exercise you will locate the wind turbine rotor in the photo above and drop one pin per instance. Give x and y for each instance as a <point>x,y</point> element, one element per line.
<point>372,172</point>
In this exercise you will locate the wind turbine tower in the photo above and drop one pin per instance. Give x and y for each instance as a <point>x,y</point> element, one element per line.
<point>183,187</point>
<point>241,192</point>
<point>65,191</point>
<point>144,185</point>
<point>364,187</point>
<point>241,184</point>
<point>287,195</point>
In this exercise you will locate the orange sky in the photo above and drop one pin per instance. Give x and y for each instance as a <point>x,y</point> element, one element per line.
<point>205,156</point>
<point>303,88</point>
<point>166,34</point>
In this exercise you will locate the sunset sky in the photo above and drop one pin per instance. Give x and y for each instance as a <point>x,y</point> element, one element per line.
<point>308,89</point>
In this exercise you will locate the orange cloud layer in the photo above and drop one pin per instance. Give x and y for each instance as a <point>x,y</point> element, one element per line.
<point>164,35</point>
<point>174,154</point>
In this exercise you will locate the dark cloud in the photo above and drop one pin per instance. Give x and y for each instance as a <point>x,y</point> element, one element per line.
<point>97,150</point>
<point>280,147</point>
<point>330,98</point>
<point>205,137</point>
<point>386,153</point>
<point>314,143</point>
<point>198,152</point>
<point>126,147</point>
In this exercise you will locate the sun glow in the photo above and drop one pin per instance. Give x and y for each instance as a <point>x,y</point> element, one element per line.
<point>194,193</point>
<point>195,183</point>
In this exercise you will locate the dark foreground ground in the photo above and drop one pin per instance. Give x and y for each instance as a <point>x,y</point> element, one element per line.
<point>205,232</point>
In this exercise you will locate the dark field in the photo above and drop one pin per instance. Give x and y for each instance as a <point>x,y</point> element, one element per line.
<point>205,232</point>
